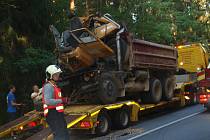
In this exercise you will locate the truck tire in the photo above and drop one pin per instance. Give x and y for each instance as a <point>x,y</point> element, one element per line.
<point>108,88</point>
<point>121,119</point>
<point>104,124</point>
<point>155,92</point>
<point>168,88</point>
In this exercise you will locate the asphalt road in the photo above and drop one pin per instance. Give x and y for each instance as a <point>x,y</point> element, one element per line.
<point>189,123</point>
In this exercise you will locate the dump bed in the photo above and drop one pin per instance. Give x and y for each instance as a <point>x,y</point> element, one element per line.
<point>153,56</point>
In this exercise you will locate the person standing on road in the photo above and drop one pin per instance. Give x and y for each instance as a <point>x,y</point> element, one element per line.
<point>53,104</point>
<point>36,96</point>
<point>11,104</point>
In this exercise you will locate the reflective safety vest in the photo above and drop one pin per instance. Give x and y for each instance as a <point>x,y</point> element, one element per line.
<point>57,95</point>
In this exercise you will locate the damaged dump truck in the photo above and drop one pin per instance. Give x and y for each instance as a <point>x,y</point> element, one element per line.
<point>102,61</point>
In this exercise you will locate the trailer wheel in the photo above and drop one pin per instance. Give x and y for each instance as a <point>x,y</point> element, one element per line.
<point>104,124</point>
<point>121,118</point>
<point>168,88</point>
<point>108,89</point>
<point>155,92</point>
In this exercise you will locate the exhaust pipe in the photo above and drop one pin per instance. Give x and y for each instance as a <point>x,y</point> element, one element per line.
<point>119,49</point>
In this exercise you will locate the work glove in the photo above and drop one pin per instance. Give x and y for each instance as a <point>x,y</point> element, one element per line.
<point>65,100</point>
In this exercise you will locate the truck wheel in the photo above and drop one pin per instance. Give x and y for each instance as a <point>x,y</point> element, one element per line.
<point>108,89</point>
<point>104,124</point>
<point>155,92</point>
<point>121,118</point>
<point>168,88</point>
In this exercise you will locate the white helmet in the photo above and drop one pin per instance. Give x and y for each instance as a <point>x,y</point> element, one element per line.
<point>52,69</point>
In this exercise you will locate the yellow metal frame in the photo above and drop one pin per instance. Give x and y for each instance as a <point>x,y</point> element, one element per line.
<point>92,115</point>
<point>135,109</point>
<point>16,127</point>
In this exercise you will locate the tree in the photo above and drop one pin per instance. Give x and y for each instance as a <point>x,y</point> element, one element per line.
<point>161,21</point>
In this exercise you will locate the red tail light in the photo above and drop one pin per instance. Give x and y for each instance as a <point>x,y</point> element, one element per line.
<point>32,124</point>
<point>204,98</point>
<point>85,124</point>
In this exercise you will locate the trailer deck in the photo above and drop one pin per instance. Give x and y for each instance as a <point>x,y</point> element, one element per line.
<point>21,123</point>
<point>77,114</point>
<point>85,117</point>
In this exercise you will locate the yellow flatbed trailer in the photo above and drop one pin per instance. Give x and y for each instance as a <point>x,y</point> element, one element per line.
<point>98,119</point>
<point>27,121</point>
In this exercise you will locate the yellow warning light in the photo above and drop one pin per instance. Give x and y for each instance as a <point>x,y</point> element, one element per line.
<point>198,69</point>
<point>181,63</point>
<point>21,127</point>
<point>186,97</point>
<point>179,47</point>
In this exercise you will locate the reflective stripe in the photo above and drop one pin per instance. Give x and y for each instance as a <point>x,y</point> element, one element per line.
<point>45,111</point>
<point>59,94</point>
<point>45,106</point>
<point>59,108</point>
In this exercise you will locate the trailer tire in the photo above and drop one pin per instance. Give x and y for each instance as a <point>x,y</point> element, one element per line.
<point>155,93</point>
<point>168,88</point>
<point>108,88</point>
<point>121,119</point>
<point>104,124</point>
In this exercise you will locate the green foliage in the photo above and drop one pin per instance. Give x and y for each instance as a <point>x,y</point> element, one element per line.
<point>161,21</point>
<point>34,60</point>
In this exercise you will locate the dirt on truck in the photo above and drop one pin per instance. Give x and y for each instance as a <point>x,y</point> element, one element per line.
<point>102,66</point>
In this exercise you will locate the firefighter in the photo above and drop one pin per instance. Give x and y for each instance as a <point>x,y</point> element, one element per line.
<point>53,104</point>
